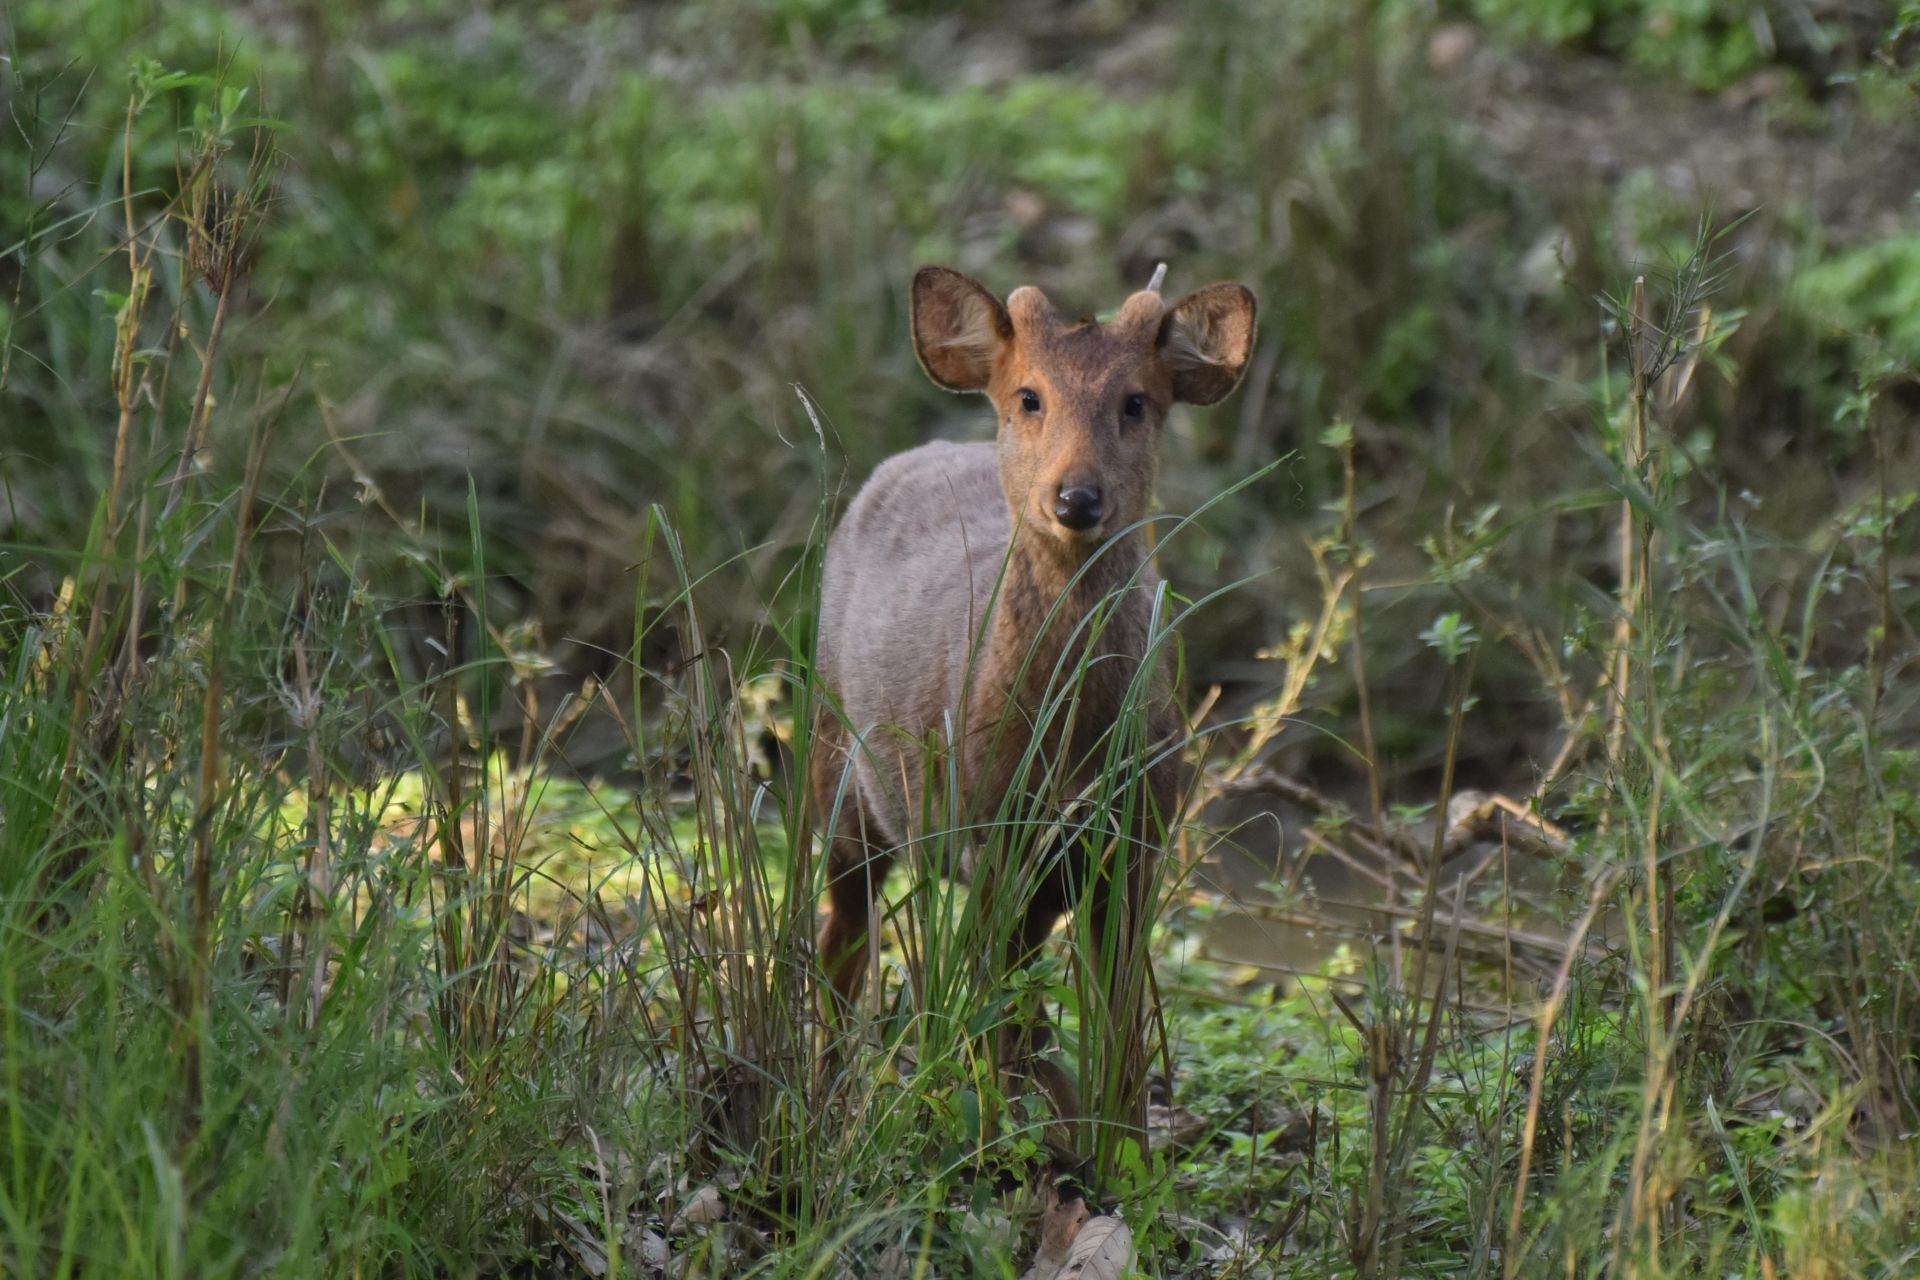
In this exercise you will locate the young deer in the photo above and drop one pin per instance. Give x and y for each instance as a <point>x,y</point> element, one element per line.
<point>965,578</point>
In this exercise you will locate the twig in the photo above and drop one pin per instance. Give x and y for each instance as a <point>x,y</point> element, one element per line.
<point>1633,448</point>
<point>1476,815</point>
<point>209,790</point>
<point>1536,1087</point>
<point>1255,779</point>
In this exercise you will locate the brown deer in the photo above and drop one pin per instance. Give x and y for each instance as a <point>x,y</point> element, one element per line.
<point>978,597</point>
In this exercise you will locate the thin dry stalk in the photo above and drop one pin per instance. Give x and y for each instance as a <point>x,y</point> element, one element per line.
<point>220,225</point>
<point>1656,1089</point>
<point>1273,719</point>
<point>1663,371</point>
<point>1349,533</point>
<point>1652,357</point>
<point>455,1007</point>
<point>143,521</point>
<point>1430,898</point>
<point>202,394</point>
<point>1514,1250</point>
<point>140,279</point>
<point>126,342</point>
<point>316,895</point>
<point>1572,748</point>
<point>1357,561</point>
<point>1383,1067</point>
<point>1423,1074</point>
<point>208,790</point>
<point>1386,1036</point>
<point>1633,449</point>
<point>1880,644</point>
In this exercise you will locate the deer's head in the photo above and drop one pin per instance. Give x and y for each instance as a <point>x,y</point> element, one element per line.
<point>1080,404</point>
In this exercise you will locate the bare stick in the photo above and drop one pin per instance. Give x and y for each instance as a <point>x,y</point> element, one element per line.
<point>1633,444</point>
<point>1602,885</point>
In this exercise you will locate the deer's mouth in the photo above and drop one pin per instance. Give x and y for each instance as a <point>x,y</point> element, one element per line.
<point>1080,540</point>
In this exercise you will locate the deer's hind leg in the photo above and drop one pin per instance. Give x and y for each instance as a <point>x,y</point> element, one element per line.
<point>857,865</point>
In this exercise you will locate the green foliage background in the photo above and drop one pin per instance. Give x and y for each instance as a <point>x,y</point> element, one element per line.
<point>537,280</point>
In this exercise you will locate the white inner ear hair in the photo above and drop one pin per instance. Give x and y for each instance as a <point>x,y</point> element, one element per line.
<point>1187,340</point>
<point>975,336</point>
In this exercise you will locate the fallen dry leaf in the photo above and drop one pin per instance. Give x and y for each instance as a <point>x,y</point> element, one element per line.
<point>1173,1128</point>
<point>648,1248</point>
<point>1102,1251</point>
<point>704,1206</point>
<point>1076,1245</point>
<point>1060,1223</point>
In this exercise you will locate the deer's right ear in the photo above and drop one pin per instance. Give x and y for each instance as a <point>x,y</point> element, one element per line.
<point>958,328</point>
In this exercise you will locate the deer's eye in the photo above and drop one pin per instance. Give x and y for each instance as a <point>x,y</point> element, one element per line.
<point>1029,400</point>
<point>1134,407</point>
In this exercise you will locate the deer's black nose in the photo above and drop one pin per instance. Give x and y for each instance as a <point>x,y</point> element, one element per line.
<point>1078,508</point>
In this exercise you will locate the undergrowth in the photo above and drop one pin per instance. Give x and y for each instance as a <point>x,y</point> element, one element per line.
<point>337,942</point>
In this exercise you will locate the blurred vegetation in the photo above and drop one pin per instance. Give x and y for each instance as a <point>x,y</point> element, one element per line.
<point>581,253</point>
<point>494,315</point>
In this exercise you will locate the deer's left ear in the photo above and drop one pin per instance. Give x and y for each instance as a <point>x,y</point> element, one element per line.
<point>1206,340</point>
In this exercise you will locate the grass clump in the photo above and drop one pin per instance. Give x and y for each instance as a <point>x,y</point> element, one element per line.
<point>355,921</point>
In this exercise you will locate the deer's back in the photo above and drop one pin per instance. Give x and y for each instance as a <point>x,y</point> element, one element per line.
<point>910,574</point>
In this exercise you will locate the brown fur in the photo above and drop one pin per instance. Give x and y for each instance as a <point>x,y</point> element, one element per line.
<point>940,577</point>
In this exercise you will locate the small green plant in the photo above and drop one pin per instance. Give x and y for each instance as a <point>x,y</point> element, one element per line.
<point>1707,43</point>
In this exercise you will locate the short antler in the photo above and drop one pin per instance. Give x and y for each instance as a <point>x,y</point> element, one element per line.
<point>1159,277</point>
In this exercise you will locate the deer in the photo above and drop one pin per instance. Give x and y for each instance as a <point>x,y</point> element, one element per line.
<point>965,578</point>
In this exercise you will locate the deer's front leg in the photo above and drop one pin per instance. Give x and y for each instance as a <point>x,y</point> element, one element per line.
<point>1021,1040</point>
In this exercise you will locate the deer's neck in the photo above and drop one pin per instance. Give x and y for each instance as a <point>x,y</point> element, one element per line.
<point>1056,610</point>
<point>1062,650</point>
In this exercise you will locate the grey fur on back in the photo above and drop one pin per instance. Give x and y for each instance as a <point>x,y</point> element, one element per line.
<point>911,573</point>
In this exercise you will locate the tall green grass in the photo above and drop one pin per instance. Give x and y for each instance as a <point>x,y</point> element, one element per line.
<point>319,959</point>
